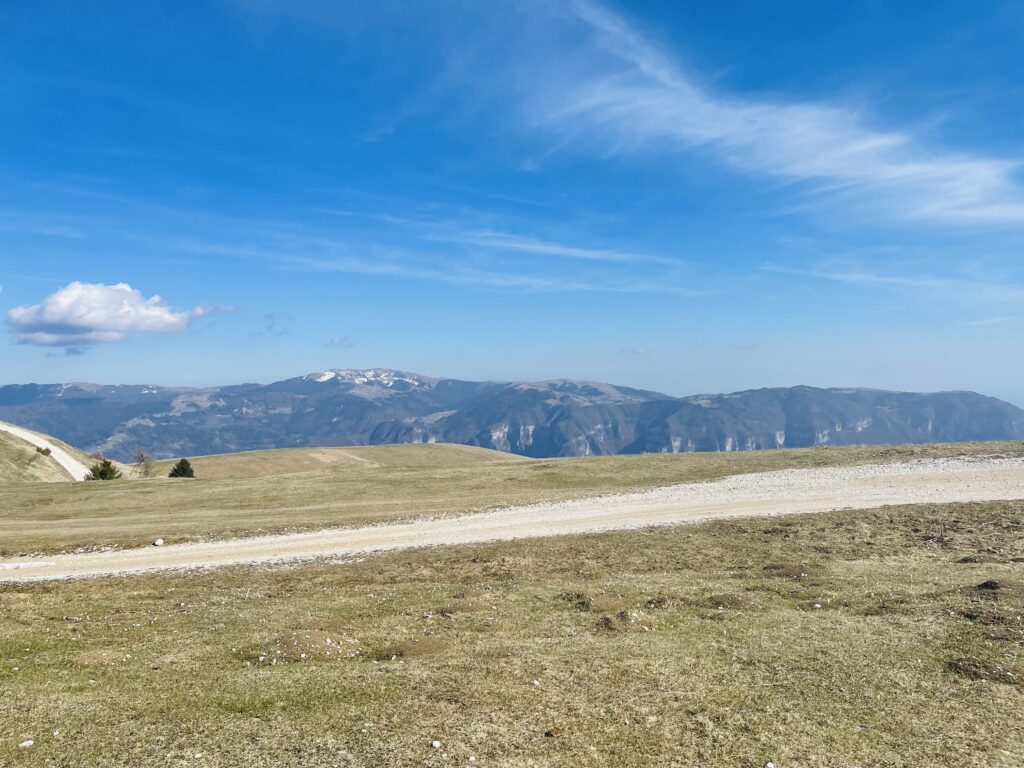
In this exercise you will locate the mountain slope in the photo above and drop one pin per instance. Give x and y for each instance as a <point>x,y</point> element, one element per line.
<point>20,459</point>
<point>540,419</point>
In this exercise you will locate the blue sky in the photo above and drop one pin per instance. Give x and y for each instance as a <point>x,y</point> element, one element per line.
<point>680,196</point>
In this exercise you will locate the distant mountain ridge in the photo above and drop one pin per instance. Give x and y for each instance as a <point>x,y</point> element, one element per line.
<point>561,417</point>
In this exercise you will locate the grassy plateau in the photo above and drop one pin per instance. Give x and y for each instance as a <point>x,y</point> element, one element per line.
<point>890,637</point>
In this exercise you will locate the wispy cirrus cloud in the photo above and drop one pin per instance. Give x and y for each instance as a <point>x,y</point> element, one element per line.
<point>487,238</point>
<point>963,289</point>
<point>495,238</point>
<point>449,251</point>
<point>990,321</point>
<point>411,265</point>
<point>630,95</point>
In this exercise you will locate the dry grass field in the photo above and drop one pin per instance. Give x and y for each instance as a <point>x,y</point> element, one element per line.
<point>892,637</point>
<point>357,486</point>
<point>290,461</point>
<point>882,638</point>
<point>21,462</point>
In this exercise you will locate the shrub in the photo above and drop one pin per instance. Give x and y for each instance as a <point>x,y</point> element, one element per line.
<point>144,466</point>
<point>103,470</point>
<point>182,469</point>
<point>44,451</point>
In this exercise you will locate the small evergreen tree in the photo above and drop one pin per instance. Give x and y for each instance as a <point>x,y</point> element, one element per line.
<point>182,469</point>
<point>103,470</point>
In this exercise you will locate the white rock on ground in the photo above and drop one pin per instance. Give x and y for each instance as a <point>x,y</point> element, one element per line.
<point>26,744</point>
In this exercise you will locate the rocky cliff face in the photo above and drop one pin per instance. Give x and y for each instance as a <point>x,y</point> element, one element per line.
<point>551,418</point>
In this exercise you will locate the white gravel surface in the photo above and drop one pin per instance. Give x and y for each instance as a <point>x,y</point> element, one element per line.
<point>795,491</point>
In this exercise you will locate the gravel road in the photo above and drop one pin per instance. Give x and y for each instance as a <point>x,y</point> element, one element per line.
<point>796,491</point>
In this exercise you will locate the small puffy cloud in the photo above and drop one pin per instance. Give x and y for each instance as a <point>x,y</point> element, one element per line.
<point>81,314</point>
<point>340,341</point>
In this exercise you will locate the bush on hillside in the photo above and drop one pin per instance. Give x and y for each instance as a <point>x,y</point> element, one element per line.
<point>44,451</point>
<point>182,469</point>
<point>103,470</point>
<point>144,465</point>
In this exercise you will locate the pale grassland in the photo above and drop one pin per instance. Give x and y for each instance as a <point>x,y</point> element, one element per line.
<point>368,485</point>
<point>21,462</point>
<point>692,646</point>
<point>286,461</point>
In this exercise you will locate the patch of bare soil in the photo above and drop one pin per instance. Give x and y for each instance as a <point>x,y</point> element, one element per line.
<point>660,602</point>
<point>626,621</point>
<point>308,645</point>
<point>600,603</point>
<point>788,571</point>
<point>888,605</point>
<point>974,668</point>
<point>409,649</point>
<point>729,601</point>
<point>993,589</point>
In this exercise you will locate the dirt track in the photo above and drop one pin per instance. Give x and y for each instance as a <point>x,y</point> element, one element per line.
<point>771,493</point>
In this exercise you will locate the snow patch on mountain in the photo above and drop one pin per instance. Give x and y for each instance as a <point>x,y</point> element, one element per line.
<point>382,377</point>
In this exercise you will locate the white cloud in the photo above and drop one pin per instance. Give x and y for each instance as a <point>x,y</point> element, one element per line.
<point>631,95</point>
<point>488,238</point>
<point>958,289</point>
<point>81,314</point>
<point>491,238</point>
<point>990,321</point>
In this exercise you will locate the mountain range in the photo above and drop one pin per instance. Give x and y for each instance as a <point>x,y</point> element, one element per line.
<point>540,419</point>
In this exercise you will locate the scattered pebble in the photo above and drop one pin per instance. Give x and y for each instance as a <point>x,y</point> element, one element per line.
<point>817,606</point>
<point>158,543</point>
<point>435,744</point>
<point>26,744</point>
<point>769,765</point>
<point>536,682</point>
